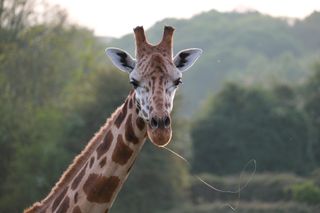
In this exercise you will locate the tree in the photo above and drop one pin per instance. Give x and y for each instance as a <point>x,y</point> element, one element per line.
<point>40,65</point>
<point>241,123</point>
<point>311,99</point>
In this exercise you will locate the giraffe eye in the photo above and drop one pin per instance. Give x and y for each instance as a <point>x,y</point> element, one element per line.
<point>177,82</point>
<point>134,83</point>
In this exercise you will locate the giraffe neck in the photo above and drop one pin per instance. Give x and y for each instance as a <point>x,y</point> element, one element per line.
<point>93,181</point>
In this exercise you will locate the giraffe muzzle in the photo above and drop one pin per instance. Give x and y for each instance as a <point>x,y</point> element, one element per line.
<point>159,130</point>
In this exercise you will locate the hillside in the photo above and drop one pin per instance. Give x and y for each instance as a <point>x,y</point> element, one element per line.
<point>247,47</point>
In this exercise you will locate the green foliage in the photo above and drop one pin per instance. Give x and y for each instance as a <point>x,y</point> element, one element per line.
<point>251,123</point>
<point>37,160</point>
<point>252,207</point>
<point>39,65</point>
<point>311,99</point>
<point>306,192</point>
<point>266,187</point>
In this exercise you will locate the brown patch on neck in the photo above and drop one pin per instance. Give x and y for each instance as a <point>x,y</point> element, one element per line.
<point>105,145</point>
<point>100,189</point>
<point>141,124</point>
<point>103,162</point>
<point>58,200</point>
<point>122,115</point>
<point>64,205</point>
<point>76,209</point>
<point>76,197</point>
<point>91,162</point>
<point>122,152</point>
<point>79,177</point>
<point>129,132</point>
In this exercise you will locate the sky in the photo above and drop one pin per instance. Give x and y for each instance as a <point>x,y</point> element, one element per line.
<point>116,18</point>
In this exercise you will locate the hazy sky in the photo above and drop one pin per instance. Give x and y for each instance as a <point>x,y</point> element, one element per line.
<point>118,17</point>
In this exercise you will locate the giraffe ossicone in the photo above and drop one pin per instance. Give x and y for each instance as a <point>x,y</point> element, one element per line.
<point>155,75</point>
<point>93,180</point>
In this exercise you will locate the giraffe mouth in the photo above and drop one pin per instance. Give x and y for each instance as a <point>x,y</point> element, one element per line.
<point>159,136</point>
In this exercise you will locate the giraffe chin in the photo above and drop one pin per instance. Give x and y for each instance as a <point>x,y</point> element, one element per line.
<point>160,136</point>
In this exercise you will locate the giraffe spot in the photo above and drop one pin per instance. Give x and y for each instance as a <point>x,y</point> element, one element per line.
<point>76,209</point>
<point>100,189</point>
<point>161,80</point>
<point>129,133</point>
<point>140,123</point>
<point>105,145</point>
<point>64,205</point>
<point>91,162</point>
<point>106,211</point>
<point>122,152</point>
<point>121,115</point>
<point>79,177</point>
<point>103,162</point>
<point>58,200</point>
<point>76,197</point>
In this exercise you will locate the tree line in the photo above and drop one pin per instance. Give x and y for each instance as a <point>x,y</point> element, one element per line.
<point>278,126</point>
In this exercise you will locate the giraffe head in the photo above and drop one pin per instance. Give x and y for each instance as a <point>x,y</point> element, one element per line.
<point>155,75</point>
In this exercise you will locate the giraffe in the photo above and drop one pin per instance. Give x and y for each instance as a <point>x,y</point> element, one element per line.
<point>93,180</point>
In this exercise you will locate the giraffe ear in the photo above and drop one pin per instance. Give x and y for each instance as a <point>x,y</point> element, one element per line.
<point>121,59</point>
<point>186,58</point>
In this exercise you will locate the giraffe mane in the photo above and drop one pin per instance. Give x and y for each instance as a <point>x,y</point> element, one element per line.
<point>78,162</point>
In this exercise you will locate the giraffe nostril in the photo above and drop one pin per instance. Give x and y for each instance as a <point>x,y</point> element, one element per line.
<point>166,121</point>
<point>154,123</point>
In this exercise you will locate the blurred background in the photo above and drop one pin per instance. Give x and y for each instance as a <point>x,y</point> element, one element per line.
<point>253,94</point>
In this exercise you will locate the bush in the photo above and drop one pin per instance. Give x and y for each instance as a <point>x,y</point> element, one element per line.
<point>252,207</point>
<point>242,123</point>
<point>306,192</point>
<point>263,187</point>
